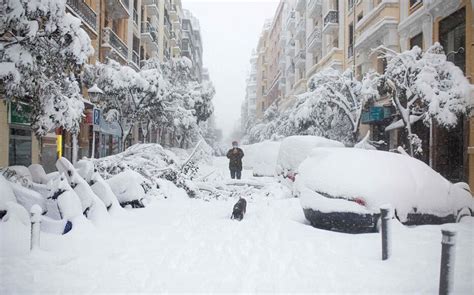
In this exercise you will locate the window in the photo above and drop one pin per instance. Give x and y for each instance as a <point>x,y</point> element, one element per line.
<point>414,2</point>
<point>19,152</point>
<point>360,16</point>
<point>381,65</point>
<point>350,4</point>
<point>452,36</point>
<point>351,40</point>
<point>417,41</point>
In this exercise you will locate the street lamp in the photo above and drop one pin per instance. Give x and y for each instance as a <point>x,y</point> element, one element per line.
<point>95,94</point>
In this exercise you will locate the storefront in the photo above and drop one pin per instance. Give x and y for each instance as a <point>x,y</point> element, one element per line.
<point>378,118</point>
<point>22,143</point>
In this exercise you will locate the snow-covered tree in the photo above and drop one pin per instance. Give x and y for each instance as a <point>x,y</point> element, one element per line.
<point>333,105</point>
<point>425,85</point>
<point>42,48</point>
<point>130,98</point>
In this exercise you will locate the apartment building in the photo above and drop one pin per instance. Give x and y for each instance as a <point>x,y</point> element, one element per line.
<point>451,23</point>
<point>192,42</point>
<point>262,69</point>
<point>249,106</point>
<point>128,31</point>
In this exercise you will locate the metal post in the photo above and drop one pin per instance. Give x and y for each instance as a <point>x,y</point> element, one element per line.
<point>386,217</point>
<point>448,256</point>
<point>93,143</point>
<point>35,213</point>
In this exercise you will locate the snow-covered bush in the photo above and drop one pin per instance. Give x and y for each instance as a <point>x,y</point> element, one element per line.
<point>152,162</point>
<point>41,49</point>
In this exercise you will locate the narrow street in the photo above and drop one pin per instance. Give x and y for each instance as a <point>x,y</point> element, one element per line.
<point>186,245</point>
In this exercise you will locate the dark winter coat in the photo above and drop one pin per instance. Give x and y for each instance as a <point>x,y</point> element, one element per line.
<point>235,162</point>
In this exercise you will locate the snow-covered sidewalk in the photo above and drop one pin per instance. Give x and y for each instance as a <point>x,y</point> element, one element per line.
<point>186,245</point>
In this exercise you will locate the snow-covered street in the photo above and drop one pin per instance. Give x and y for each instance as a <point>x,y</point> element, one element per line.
<point>189,245</point>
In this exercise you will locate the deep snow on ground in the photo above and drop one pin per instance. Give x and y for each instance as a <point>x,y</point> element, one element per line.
<point>186,245</point>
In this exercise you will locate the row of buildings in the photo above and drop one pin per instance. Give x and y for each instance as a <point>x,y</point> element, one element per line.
<point>128,31</point>
<point>306,36</point>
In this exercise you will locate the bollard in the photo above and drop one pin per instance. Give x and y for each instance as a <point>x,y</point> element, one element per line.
<point>448,256</point>
<point>35,212</point>
<point>386,217</point>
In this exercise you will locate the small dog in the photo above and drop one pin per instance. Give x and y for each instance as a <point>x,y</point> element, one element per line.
<point>239,209</point>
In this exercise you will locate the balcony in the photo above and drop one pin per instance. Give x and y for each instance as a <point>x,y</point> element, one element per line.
<point>314,40</point>
<point>300,5</point>
<point>118,9</point>
<point>86,13</point>
<point>135,16</point>
<point>152,7</point>
<point>300,58</point>
<point>350,50</point>
<point>290,21</point>
<point>112,40</point>
<point>313,8</point>
<point>135,58</point>
<point>301,29</point>
<point>331,22</point>
<point>148,32</point>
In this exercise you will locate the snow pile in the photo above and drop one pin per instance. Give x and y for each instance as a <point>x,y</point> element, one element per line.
<point>103,190</point>
<point>261,157</point>
<point>38,174</point>
<point>295,149</point>
<point>7,194</point>
<point>378,178</point>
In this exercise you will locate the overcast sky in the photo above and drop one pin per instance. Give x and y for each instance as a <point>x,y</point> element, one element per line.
<point>230,30</point>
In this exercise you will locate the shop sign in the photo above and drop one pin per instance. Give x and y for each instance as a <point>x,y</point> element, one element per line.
<point>19,114</point>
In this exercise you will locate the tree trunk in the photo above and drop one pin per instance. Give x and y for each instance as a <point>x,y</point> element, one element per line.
<point>75,148</point>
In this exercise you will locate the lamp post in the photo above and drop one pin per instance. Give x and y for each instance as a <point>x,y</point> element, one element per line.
<point>95,94</point>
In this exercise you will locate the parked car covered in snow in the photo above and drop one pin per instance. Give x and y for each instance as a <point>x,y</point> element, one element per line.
<point>294,149</point>
<point>343,190</point>
<point>261,157</point>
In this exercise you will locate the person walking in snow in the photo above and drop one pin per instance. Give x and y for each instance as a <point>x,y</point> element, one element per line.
<point>235,155</point>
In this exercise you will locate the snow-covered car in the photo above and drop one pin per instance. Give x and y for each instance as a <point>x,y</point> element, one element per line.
<point>294,149</point>
<point>343,189</point>
<point>261,157</point>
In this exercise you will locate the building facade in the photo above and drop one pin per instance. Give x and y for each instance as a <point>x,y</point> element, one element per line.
<point>128,31</point>
<point>341,34</point>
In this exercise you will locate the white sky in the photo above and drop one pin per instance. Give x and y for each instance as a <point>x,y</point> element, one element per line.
<point>230,30</point>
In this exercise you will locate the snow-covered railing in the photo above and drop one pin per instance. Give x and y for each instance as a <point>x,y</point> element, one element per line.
<point>84,11</point>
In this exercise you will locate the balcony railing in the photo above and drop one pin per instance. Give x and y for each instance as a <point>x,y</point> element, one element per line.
<point>350,50</point>
<point>315,35</point>
<point>332,17</point>
<point>301,27</point>
<point>312,4</point>
<point>111,38</point>
<point>136,58</point>
<point>147,27</point>
<point>135,16</point>
<point>300,57</point>
<point>291,18</point>
<point>84,11</point>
